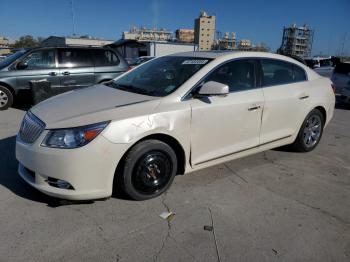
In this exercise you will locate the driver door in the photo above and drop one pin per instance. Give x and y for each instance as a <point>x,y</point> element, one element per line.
<point>38,65</point>
<point>224,125</point>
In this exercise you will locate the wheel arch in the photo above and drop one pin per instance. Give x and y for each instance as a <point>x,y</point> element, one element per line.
<point>12,90</point>
<point>323,111</point>
<point>169,140</point>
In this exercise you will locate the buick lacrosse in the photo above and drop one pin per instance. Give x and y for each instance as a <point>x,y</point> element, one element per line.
<point>172,115</point>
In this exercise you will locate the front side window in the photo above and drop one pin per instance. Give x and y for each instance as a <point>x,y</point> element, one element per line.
<point>40,59</point>
<point>277,72</point>
<point>104,57</point>
<point>74,57</point>
<point>12,58</point>
<point>161,76</point>
<point>238,75</point>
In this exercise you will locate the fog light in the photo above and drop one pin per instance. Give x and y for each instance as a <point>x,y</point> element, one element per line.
<point>63,184</point>
<point>59,183</point>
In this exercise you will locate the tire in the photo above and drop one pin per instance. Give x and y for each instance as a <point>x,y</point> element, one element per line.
<point>6,98</point>
<point>148,170</point>
<point>310,132</point>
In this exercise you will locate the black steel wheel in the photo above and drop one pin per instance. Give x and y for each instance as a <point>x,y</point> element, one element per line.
<point>149,169</point>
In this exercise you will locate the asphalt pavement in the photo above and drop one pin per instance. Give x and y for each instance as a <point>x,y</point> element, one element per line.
<point>273,206</point>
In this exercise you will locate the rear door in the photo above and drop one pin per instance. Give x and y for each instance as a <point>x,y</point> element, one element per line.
<point>40,65</point>
<point>76,68</point>
<point>285,89</point>
<point>107,65</point>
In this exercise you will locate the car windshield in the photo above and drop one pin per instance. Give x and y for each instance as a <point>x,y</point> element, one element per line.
<point>11,58</point>
<point>342,68</point>
<point>161,76</point>
<point>325,63</point>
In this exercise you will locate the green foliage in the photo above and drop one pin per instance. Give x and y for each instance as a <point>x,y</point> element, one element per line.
<point>26,41</point>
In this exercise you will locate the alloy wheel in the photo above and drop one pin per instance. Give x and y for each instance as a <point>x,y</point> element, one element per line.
<point>3,99</point>
<point>312,130</point>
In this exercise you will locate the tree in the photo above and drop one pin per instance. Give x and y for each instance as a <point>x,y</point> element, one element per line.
<point>26,41</point>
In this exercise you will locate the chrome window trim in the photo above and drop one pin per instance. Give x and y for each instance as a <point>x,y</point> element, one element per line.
<point>187,95</point>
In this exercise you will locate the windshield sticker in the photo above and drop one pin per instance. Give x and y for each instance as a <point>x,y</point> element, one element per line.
<point>194,62</point>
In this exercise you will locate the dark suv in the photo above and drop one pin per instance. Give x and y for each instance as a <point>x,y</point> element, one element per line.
<point>65,68</point>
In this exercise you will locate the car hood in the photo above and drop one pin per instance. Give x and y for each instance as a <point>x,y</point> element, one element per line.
<point>92,105</point>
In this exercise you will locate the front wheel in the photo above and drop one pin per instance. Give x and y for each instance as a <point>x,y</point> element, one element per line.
<point>310,132</point>
<point>149,170</point>
<point>6,98</point>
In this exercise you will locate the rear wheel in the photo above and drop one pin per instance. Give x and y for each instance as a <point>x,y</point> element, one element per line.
<point>310,132</point>
<point>6,98</point>
<point>149,170</point>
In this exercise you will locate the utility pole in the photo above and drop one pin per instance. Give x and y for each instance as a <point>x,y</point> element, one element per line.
<point>342,45</point>
<point>73,16</point>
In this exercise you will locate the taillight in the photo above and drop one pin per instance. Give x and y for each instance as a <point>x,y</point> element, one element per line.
<point>333,87</point>
<point>129,68</point>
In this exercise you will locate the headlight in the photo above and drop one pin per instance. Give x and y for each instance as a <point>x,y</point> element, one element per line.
<point>73,137</point>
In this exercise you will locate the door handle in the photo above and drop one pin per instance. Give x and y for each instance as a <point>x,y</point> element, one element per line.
<point>66,73</point>
<point>303,97</point>
<point>254,107</point>
<point>52,74</point>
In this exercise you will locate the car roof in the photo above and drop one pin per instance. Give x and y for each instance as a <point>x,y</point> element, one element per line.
<point>205,54</point>
<point>70,47</point>
<point>237,53</point>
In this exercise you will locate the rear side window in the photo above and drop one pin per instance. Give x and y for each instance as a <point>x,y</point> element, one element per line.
<point>298,74</point>
<point>239,75</point>
<point>276,72</point>
<point>104,57</point>
<point>74,57</point>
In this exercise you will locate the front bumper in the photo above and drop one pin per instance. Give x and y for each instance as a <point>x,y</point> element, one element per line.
<point>89,169</point>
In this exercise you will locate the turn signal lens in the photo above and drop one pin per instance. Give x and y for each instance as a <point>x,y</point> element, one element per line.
<point>91,134</point>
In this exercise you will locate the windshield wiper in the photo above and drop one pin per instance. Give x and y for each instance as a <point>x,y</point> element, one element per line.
<point>133,89</point>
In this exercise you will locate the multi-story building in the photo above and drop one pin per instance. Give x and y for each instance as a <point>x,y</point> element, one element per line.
<point>204,31</point>
<point>4,46</point>
<point>297,41</point>
<point>185,35</point>
<point>228,42</point>
<point>147,34</point>
<point>245,44</point>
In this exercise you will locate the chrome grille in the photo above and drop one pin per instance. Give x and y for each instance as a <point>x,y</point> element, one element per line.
<point>31,128</point>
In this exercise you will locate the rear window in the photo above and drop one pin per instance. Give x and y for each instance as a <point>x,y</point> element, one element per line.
<point>103,57</point>
<point>74,57</point>
<point>342,68</point>
<point>277,72</point>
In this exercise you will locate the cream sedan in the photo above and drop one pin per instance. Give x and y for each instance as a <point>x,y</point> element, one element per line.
<point>172,115</point>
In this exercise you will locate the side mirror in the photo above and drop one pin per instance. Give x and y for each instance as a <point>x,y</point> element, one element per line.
<point>21,66</point>
<point>213,88</point>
